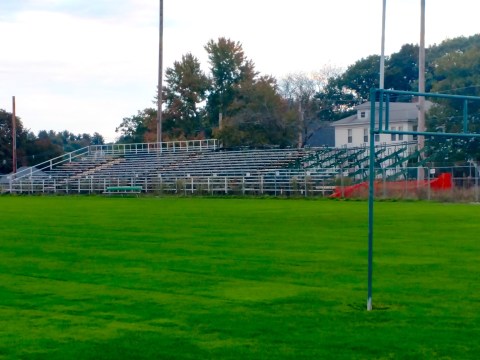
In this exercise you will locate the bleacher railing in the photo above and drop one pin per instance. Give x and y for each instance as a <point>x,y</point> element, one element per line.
<point>100,151</point>
<point>166,146</point>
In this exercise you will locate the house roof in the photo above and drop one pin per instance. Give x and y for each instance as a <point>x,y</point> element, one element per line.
<point>324,136</point>
<point>399,112</point>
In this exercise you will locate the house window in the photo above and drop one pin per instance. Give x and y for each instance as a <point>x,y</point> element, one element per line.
<point>365,135</point>
<point>377,137</point>
<point>400,136</point>
<point>393,137</point>
<point>363,114</point>
<point>415,128</point>
<point>350,138</point>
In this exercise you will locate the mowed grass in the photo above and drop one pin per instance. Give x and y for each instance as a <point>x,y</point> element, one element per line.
<point>193,278</point>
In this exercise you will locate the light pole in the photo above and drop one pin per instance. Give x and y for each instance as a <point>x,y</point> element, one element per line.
<point>421,77</point>
<point>421,89</point>
<point>382,55</point>
<point>14,137</point>
<point>160,77</point>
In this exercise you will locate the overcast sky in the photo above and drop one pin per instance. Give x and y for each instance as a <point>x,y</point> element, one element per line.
<point>83,65</point>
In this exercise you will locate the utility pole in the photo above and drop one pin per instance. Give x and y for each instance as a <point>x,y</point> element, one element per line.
<point>421,76</point>
<point>382,55</point>
<point>160,77</point>
<point>300,124</point>
<point>14,137</point>
<point>421,86</point>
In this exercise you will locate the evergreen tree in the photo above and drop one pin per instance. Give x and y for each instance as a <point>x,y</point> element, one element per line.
<point>186,90</point>
<point>229,68</point>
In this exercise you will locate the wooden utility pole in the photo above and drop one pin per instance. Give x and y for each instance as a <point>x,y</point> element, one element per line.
<point>14,137</point>
<point>160,77</point>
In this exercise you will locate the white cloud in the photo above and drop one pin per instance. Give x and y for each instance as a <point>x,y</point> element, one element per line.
<point>83,66</point>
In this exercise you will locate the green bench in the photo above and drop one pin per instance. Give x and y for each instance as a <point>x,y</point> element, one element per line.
<point>122,190</point>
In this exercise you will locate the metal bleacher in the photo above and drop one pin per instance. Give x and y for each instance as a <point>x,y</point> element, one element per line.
<point>201,166</point>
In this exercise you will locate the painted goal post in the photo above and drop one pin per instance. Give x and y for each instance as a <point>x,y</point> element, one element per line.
<point>380,124</point>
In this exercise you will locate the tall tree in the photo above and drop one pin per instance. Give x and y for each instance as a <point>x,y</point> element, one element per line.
<point>260,116</point>
<point>360,77</point>
<point>457,73</point>
<point>299,89</point>
<point>186,90</point>
<point>229,68</point>
<point>401,69</point>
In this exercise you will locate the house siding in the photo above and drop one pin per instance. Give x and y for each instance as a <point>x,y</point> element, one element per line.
<point>403,115</point>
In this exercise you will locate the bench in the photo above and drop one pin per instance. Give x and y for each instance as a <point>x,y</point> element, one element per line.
<point>122,190</point>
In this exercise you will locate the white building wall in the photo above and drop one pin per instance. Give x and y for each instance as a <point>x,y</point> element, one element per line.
<point>357,135</point>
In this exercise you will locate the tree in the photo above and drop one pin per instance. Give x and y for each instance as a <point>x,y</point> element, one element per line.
<point>229,68</point>
<point>450,46</point>
<point>360,77</point>
<point>6,147</point>
<point>457,73</point>
<point>334,102</point>
<point>44,147</point>
<point>401,69</point>
<point>299,89</point>
<point>138,128</point>
<point>260,116</point>
<point>97,139</point>
<point>186,90</point>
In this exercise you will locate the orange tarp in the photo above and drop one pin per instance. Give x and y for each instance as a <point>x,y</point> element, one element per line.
<point>443,182</point>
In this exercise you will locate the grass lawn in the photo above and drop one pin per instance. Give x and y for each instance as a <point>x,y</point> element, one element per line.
<point>193,278</point>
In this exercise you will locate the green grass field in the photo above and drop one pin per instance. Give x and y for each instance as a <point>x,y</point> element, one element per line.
<point>193,278</point>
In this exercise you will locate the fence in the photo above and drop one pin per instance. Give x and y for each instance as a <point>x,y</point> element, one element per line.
<point>454,183</point>
<point>404,183</point>
<point>287,183</point>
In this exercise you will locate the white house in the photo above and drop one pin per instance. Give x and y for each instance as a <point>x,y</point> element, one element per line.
<point>353,131</point>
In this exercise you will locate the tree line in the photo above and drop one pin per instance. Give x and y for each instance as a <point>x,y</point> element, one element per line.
<point>241,107</point>
<point>35,148</point>
<point>236,104</point>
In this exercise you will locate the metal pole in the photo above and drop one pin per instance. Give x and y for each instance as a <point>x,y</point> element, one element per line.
<point>371,194</point>
<point>300,124</point>
<point>160,77</point>
<point>14,137</point>
<point>421,78</point>
<point>421,89</point>
<point>476,181</point>
<point>382,55</point>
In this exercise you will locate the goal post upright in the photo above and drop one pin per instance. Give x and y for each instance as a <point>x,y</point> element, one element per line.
<point>371,195</point>
<point>378,126</point>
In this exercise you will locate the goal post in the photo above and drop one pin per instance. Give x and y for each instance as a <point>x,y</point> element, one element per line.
<point>380,124</point>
